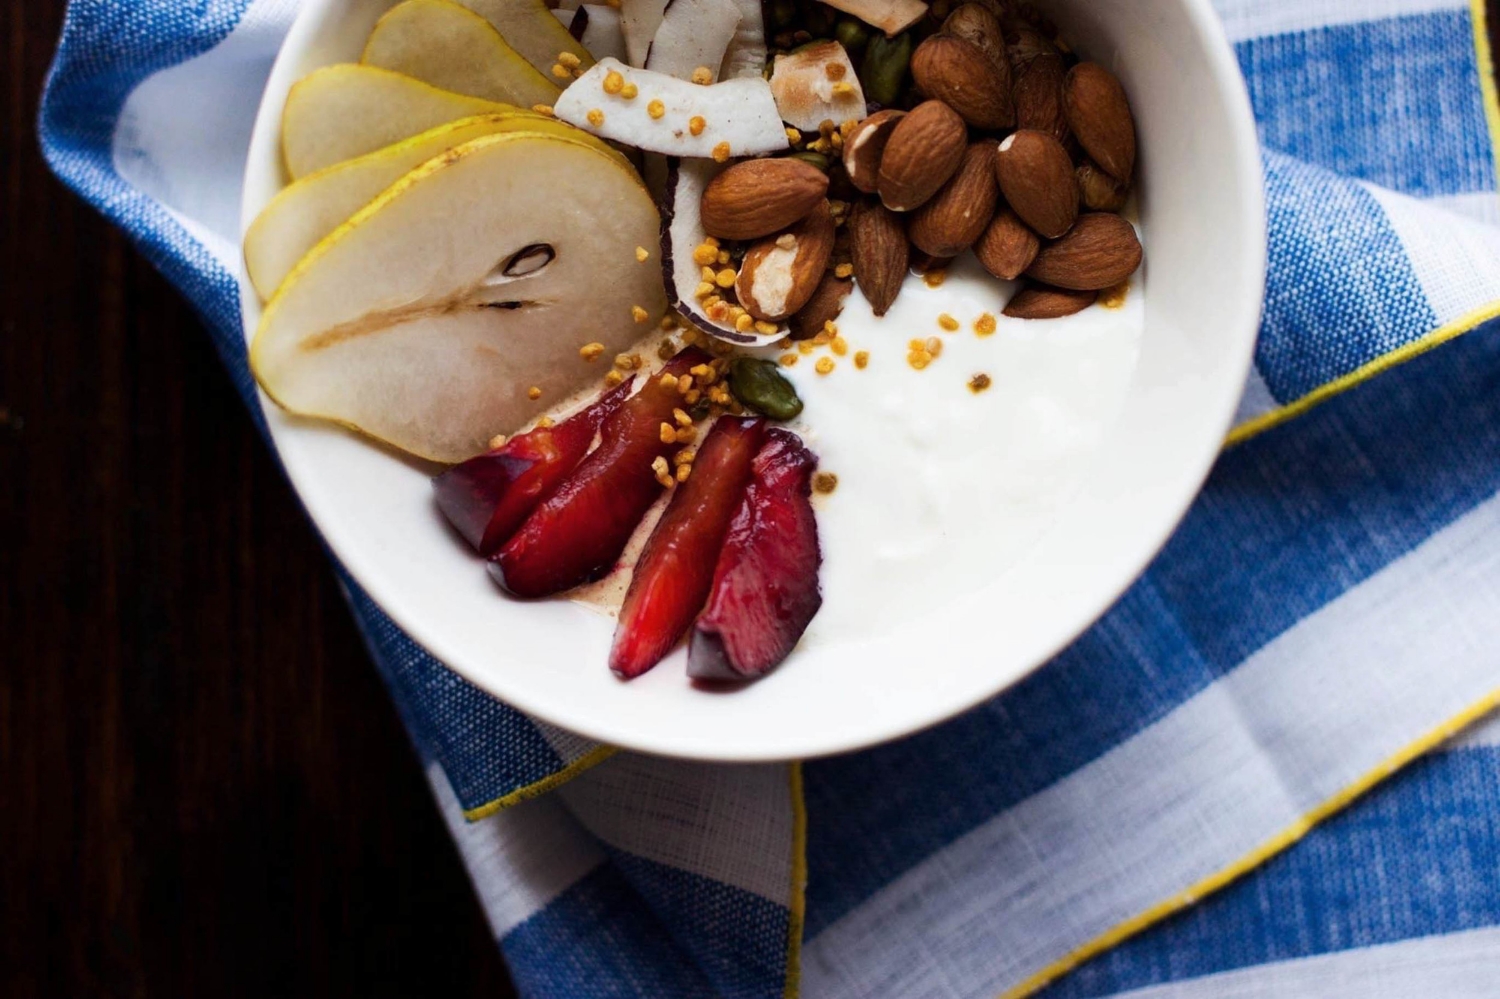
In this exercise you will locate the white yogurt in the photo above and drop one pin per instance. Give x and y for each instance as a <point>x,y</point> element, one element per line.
<point>938,486</point>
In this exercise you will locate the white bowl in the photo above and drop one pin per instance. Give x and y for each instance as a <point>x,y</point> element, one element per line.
<point>1203,219</point>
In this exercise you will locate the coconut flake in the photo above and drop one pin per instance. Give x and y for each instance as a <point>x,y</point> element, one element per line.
<point>597,28</point>
<point>639,21</point>
<point>693,33</point>
<point>739,116</point>
<point>682,233</point>
<point>746,55</point>
<point>816,84</point>
<point>890,16</point>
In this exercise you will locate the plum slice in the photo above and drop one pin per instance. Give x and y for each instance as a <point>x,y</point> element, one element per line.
<point>576,534</point>
<point>487,497</point>
<point>676,568</point>
<point>765,588</point>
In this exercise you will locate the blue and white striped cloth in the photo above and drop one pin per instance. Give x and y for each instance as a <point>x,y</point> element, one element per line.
<point>1185,802</point>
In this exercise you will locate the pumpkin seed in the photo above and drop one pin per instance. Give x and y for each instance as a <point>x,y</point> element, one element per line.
<point>758,384</point>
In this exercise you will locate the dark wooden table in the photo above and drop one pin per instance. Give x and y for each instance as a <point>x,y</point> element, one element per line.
<point>204,790</point>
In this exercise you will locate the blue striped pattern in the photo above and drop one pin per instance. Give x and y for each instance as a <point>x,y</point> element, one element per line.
<point>600,941</point>
<point>1354,99</point>
<point>1418,858</point>
<point>1340,290</point>
<point>736,938</point>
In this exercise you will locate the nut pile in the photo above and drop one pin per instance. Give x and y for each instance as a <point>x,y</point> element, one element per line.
<point>986,134</point>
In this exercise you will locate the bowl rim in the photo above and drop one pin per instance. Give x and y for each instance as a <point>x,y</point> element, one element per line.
<point>1245,153</point>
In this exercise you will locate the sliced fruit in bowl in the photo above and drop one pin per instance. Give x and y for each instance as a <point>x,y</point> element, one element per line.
<point>424,320</point>
<point>313,206</point>
<point>489,496</point>
<point>530,29</point>
<point>673,575</point>
<point>449,46</point>
<point>346,110</point>
<point>579,531</point>
<point>765,587</point>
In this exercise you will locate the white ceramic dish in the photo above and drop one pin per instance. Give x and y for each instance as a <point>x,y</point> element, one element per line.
<point>1202,215</point>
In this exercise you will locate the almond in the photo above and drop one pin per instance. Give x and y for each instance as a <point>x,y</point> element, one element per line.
<point>1099,114</point>
<point>878,248</point>
<point>976,25</point>
<point>866,144</point>
<point>924,263</point>
<point>950,223</point>
<point>1038,94</point>
<point>1037,179</point>
<point>1100,251</point>
<point>1100,191</point>
<point>826,304</point>
<point>1041,302</point>
<point>780,273</point>
<point>923,151</point>
<point>1007,246</point>
<point>758,197</point>
<point>1024,43</point>
<point>960,75</point>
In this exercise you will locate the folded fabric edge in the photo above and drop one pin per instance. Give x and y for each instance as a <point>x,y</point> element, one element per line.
<point>1363,373</point>
<point>590,759</point>
<point>1479,21</point>
<point>1431,740</point>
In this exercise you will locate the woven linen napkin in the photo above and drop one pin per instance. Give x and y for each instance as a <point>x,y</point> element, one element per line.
<point>1180,795</point>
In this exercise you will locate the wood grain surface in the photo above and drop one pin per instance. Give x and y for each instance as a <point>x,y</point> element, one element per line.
<point>204,790</point>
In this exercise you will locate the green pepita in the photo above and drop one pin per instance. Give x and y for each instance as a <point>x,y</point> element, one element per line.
<point>852,35</point>
<point>758,384</point>
<point>882,72</point>
<point>816,159</point>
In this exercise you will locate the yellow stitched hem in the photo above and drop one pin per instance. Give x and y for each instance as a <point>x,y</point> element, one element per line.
<point>1383,363</point>
<point>1485,58</point>
<point>798,908</point>
<point>594,756</point>
<point>1265,851</point>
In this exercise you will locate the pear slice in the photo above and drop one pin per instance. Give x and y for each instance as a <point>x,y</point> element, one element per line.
<point>312,207</point>
<point>449,46</point>
<point>739,117</point>
<point>531,30</point>
<point>339,112</point>
<point>426,319</point>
